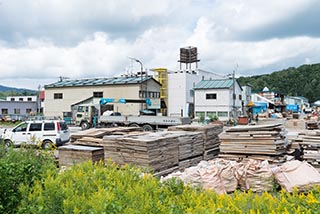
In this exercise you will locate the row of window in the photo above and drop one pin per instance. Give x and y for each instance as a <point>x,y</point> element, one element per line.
<point>213,96</point>
<point>20,99</point>
<point>149,94</point>
<point>99,94</point>
<point>212,113</point>
<point>15,111</point>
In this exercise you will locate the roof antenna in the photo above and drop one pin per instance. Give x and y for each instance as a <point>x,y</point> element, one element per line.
<point>61,78</point>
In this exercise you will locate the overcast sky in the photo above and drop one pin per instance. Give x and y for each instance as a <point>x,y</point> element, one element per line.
<point>41,40</point>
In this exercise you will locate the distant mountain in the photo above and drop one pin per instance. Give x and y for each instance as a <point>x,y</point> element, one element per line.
<point>16,91</point>
<point>300,81</point>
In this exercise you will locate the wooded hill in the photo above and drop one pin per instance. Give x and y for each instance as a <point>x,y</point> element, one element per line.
<point>10,91</point>
<point>301,81</point>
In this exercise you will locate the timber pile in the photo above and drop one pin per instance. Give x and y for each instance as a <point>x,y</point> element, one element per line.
<point>310,142</point>
<point>260,142</point>
<point>210,134</point>
<point>71,154</point>
<point>155,150</point>
<point>100,132</point>
<point>161,151</point>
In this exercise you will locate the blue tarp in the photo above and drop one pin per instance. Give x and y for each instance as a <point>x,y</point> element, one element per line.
<point>259,107</point>
<point>292,107</point>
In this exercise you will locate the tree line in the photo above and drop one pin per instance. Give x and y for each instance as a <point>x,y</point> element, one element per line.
<point>301,81</point>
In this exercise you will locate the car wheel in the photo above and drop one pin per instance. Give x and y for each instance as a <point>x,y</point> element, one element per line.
<point>147,128</point>
<point>8,143</point>
<point>85,125</point>
<point>47,144</point>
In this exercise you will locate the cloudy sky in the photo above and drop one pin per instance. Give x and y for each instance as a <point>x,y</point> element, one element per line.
<point>41,40</point>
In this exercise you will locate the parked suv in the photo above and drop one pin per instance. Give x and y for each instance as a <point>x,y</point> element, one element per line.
<point>38,132</point>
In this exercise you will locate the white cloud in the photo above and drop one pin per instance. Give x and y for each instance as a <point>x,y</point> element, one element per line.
<point>42,40</point>
<point>241,15</point>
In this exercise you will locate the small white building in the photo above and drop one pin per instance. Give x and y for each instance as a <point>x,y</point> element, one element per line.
<point>181,93</point>
<point>218,97</point>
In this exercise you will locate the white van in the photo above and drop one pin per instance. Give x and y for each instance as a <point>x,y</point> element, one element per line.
<point>40,132</point>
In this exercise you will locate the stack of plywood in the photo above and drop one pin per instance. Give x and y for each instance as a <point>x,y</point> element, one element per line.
<point>100,132</point>
<point>159,151</point>
<point>257,142</point>
<point>190,148</point>
<point>210,137</point>
<point>71,154</point>
<point>163,151</point>
<point>310,142</point>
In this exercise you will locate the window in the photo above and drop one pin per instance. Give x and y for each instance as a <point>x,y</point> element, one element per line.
<point>48,126</point>
<point>35,127</point>
<point>16,111</point>
<point>20,99</point>
<point>12,99</point>
<point>21,128</point>
<point>191,93</point>
<point>211,113</point>
<point>240,97</point>
<point>200,114</point>
<point>98,94</point>
<point>29,99</point>
<point>57,96</point>
<point>28,110</point>
<point>222,114</point>
<point>234,96</point>
<point>211,96</point>
<point>4,111</point>
<point>63,126</point>
<point>83,108</point>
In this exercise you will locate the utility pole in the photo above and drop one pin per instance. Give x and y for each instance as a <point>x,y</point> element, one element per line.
<point>141,80</point>
<point>233,96</point>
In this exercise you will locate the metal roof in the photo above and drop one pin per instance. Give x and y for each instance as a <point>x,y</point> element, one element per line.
<point>212,84</point>
<point>99,81</point>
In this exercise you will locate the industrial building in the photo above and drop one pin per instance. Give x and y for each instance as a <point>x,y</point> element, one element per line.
<point>60,96</point>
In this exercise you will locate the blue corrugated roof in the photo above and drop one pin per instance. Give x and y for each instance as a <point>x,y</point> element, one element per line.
<point>98,81</point>
<point>210,84</point>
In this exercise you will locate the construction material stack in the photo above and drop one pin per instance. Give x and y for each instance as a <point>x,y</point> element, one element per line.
<point>163,152</point>
<point>210,135</point>
<point>87,145</point>
<point>97,133</point>
<point>310,144</point>
<point>260,142</point>
<point>151,150</point>
<point>71,154</point>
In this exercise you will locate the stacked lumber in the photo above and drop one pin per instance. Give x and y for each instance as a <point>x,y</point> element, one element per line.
<point>310,142</point>
<point>163,152</point>
<point>100,132</point>
<point>71,154</point>
<point>256,142</point>
<point>158,151</point>
<point>210,137</point>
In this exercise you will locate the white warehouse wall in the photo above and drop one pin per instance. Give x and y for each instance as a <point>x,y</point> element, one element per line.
<point>180,85</point>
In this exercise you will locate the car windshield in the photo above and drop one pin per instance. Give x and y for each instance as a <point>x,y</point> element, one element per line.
<point>21,128</point>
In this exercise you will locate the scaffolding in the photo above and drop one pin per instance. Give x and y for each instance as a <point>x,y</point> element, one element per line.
<point>161,75</point>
